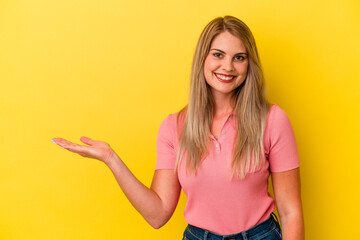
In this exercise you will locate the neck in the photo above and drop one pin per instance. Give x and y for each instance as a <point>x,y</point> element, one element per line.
<point>223,104</point>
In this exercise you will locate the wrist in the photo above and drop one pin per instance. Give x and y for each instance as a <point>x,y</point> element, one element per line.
<point>112,160</point>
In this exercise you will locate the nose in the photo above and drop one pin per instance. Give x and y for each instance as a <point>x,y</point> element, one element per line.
<point>228,64</point>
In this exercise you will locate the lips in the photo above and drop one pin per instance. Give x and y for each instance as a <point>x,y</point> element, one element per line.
<point>225,78</point>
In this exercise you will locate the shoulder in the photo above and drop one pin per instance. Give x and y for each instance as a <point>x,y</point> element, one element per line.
<point>174,121</point>
<point>172,125</point>
<point>276,112</point>
<point>277,117</point>
<point>278,126</point>
<point>170,121</point>
<point>280,142</point>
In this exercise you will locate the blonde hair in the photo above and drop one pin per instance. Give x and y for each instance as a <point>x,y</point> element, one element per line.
<point>251,107</point>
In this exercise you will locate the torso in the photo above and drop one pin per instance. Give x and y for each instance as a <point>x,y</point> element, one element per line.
<point>215,201</point>
<point>217,124</point>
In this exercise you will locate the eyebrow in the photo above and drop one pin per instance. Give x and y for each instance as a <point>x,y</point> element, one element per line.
<point>224,52</point>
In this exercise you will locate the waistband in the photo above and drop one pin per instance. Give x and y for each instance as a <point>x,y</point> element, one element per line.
<point>267,225</point>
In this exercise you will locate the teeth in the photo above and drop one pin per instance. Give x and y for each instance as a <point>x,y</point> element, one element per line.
<point>222,77</point>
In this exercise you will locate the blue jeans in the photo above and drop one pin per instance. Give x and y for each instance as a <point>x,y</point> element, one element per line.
<point>266,230</point>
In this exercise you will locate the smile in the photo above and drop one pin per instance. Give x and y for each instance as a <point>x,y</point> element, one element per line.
<point>225,78</point>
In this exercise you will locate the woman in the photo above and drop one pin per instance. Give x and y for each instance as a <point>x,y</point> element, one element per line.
<point>223,146</point>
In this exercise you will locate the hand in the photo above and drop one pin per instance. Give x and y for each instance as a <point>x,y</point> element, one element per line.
<point>95,149</point>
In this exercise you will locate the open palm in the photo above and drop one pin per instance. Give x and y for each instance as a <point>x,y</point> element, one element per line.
<point>93,149</point>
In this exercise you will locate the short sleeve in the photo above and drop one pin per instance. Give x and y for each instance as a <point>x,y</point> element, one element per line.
<point>283,153</point>
<point>166,144</point>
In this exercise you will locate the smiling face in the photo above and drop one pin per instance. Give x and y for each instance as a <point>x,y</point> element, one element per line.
<point>226,65</point>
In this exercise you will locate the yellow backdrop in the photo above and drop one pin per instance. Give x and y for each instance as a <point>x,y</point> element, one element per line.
<point>113,70</point>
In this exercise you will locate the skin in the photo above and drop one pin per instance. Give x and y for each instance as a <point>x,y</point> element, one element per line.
<point>157,203</point>
<point>287,191</point>
<point>228,57</point>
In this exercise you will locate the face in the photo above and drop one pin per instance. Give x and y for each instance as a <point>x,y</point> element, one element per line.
<point>226,65</point>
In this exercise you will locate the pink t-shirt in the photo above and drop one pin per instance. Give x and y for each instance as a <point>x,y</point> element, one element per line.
<point>215,201</point>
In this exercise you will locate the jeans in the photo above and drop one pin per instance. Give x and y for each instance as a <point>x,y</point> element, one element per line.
<point>266,230</point>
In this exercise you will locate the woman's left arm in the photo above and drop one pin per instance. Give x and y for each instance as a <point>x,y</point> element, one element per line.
<point>287,191</point>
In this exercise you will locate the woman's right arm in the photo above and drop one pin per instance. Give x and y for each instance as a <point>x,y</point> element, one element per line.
<point>156,204</point>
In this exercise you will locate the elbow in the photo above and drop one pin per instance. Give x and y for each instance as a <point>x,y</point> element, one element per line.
<point>157,224</point>
<point>289,210</point>
<point>291,216</point>
<point>159,221</point>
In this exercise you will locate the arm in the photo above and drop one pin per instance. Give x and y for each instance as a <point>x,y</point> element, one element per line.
<point>287,193</point>
<point>156,204</point>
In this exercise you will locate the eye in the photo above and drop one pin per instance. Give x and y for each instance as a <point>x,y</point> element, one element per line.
<point>240,58</point>
<point>218,55</point>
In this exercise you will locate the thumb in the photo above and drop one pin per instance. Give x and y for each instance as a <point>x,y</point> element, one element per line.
<point>87,140</point>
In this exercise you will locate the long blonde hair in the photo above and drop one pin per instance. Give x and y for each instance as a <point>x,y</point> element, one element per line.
<point>251,107</point>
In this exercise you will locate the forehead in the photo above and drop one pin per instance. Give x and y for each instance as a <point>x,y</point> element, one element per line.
<point>227,42</point>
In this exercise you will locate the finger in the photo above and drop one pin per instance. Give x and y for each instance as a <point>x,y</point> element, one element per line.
<point>60,141</point>
<point>57,143</point>
<point>63,143</point>
<point>85,151</point>
<point>87,140</point>
<point>80,149</point>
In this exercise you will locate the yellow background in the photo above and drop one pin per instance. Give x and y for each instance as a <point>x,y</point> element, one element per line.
<point>113,70</point>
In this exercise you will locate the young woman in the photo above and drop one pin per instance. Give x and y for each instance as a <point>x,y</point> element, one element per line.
<point>220,149</point>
